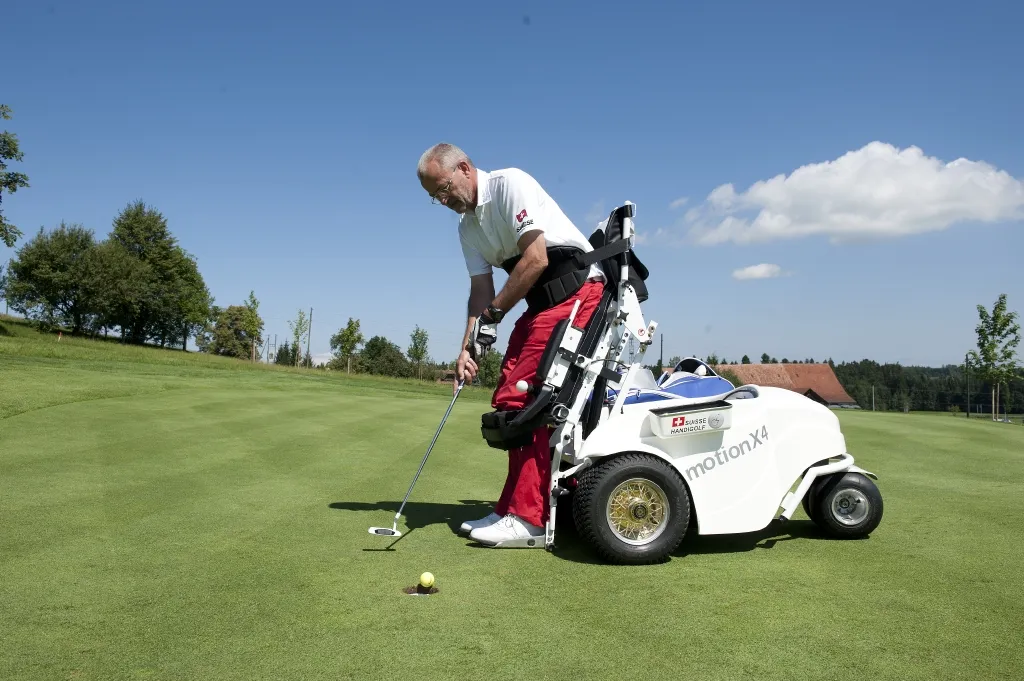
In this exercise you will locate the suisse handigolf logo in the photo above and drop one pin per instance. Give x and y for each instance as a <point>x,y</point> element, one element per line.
<point>693,424</point>
<point>521,219</point>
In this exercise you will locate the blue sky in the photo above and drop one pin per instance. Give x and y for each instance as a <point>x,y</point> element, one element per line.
<point>280,140</point>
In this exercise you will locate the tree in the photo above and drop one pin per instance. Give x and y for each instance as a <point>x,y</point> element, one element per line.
<point>344,344</point>
<point>10,181</point>
<point>765,359</point>
<point>674,360</point>
<point>171,302</point>
<point>193,301</point>
<point>300,328</point>
<point>418,348</point>
<point>490,369</point>
<point>252,323</point>
<point>998,337</point>
<point>183,303</point>
<point>229,336</point>
<point>382,357</point>
<point>745,360</point>
<point>51,281</point>
<point>285,355</point>
<point>122,286</point>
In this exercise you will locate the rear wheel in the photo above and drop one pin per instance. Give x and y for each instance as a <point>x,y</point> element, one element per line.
<point>848,505</point>
<point>633,509</point>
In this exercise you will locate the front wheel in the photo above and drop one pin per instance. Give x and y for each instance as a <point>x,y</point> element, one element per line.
<point>848,505</point>
<point>634,508</point>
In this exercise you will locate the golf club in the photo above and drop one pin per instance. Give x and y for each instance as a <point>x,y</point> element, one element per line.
<point>393,530</point>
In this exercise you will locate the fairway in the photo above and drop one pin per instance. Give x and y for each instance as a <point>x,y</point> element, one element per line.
<point>171,517</point>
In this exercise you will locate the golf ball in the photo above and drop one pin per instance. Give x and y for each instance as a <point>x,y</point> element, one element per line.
<point>522,386</point>
<point>426,580</point>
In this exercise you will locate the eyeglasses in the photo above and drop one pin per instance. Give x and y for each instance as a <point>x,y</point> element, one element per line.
<point>444,190</point>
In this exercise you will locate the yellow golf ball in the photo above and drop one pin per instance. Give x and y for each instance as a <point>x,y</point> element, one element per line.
<point>426,580</point>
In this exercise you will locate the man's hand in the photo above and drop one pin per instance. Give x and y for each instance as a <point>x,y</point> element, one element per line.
<point>482,337</point>
<point>465,369</point>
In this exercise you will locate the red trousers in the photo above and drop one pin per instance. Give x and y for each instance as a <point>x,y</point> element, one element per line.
<point>529,468</point>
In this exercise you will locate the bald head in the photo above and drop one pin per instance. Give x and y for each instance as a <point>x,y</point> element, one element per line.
<point>445,156</point>
<point>448,176</point>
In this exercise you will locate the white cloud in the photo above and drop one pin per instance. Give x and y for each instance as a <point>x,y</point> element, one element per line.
<point>762,271</point>
<point>595,215</point>
<point>877,191</point>
<point>678,203</point>
<point>648,238</point>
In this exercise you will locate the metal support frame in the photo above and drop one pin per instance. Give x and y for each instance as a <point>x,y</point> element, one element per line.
<point>793,499</point>
<point>623,314</point>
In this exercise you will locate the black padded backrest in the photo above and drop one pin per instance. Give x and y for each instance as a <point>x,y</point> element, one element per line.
<point>551,351</point>
<point>611,267</point>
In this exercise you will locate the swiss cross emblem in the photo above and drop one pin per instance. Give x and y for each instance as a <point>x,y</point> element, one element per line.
<point>521,215</point>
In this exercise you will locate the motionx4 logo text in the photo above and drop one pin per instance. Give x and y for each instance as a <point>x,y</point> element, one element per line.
<point>725,455</point>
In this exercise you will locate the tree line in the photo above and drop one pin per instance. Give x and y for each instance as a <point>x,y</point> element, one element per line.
<point>351,352</point>
<point>138,281</point>
<point>989,381</point>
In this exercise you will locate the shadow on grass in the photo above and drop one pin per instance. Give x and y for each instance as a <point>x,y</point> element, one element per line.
<point>417,514</point>
<point>570,546</point>
<point>568,543</point>
<point>767,538</point>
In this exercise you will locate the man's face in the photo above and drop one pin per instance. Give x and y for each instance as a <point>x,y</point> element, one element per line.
<point>452,188</point>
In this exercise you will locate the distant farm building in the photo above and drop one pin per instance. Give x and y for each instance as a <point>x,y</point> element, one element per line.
<point>816,381</point>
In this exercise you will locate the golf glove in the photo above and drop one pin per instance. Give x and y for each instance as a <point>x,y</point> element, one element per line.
<point>485,332</point>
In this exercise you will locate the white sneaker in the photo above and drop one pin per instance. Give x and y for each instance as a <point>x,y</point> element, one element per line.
<point>509,527</point>
<point>471,525</point>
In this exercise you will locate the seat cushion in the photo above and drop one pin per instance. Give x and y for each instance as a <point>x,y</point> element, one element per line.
<point>687,386</point>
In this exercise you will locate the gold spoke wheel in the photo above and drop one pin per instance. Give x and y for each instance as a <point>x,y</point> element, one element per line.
<point>637,511</point>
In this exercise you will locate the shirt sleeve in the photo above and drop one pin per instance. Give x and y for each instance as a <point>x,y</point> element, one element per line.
<point>519,202</point>
<point>475,263</point>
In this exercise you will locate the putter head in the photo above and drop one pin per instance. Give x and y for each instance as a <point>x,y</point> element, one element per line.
<point>386,531</point>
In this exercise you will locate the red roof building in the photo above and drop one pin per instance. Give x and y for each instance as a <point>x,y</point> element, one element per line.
<point>816,381</point>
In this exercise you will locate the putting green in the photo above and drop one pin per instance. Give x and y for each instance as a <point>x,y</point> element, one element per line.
<point>175,521</point>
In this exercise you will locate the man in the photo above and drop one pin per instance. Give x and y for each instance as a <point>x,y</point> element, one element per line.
<point>506,214</point>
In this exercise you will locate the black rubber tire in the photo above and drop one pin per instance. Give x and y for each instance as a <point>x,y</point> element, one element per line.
<point>591,498</point>
<point>810,499</point>
<point>836,484</point>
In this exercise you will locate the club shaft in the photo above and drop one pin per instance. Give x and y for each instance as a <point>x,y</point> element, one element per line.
<point>424,461</point>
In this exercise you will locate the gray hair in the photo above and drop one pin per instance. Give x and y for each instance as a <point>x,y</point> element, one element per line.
<point>446,155</point>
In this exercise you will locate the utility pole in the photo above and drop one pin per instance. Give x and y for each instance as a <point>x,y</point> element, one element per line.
<point>309,334</point>
<point>967,366</point>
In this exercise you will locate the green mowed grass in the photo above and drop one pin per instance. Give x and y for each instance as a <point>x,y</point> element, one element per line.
<point>175,517</point>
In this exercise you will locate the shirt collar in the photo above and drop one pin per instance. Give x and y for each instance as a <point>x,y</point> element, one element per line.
<point>483,189</point>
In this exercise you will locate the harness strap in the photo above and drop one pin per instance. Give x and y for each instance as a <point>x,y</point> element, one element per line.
<point>567,271</point>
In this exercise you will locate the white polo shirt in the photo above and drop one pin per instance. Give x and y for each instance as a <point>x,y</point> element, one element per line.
<point>511,203</point>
